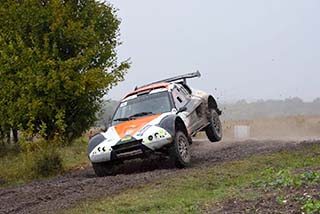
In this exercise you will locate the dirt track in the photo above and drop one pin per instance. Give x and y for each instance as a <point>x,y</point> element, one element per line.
<point>65,191</point>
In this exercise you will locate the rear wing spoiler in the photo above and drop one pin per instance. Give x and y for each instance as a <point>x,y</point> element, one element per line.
<point>174,79</point>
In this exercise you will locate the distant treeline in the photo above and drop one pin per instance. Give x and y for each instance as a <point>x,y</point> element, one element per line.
<point>270,108</point>
<point>242,109</point>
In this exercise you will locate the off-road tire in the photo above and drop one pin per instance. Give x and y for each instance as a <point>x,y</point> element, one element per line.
<point>180,152</point>
<point>104,169</point>
<point>214,129</point>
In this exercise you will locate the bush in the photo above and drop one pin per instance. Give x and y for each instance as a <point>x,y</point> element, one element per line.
<point>47,163</point>
<point>9,149</point>
<point>40,159</point>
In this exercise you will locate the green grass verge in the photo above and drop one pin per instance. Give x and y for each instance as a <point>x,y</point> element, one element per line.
<point>196,190</point>
<point>16,166</point>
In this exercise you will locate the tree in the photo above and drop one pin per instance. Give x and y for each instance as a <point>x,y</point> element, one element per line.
<point>57,60</point>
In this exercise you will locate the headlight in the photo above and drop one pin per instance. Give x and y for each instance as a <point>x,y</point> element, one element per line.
<point>156,135</point>
<point>150,138</point>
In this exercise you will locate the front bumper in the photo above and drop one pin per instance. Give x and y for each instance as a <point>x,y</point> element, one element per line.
<point>131,147</point>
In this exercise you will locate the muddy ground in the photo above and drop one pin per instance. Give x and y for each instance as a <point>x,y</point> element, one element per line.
<point>268,202</point>
<point>66,191</point>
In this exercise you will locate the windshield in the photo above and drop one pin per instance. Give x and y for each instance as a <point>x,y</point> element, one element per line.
<point>142,106</point>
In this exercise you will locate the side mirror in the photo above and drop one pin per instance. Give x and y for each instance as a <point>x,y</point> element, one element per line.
<point>182,109</point>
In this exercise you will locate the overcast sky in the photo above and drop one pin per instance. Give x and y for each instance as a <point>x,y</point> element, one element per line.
<point>248,49</point>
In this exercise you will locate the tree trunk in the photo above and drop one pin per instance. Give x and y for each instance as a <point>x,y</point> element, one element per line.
<point>1,135</point>
<point>8,137</point>
<point>15,135</point>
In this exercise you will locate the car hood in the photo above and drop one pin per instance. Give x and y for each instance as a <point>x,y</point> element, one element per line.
<point>131,127</point>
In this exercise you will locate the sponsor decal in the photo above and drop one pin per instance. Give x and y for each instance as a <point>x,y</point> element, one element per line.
<point>127,138</point>
<point>161,132</point>
<point>143,130</point>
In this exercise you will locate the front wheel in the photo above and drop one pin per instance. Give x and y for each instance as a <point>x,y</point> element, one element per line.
<point>180,150</point>
<point>104,169</point>
<point>214,129</point>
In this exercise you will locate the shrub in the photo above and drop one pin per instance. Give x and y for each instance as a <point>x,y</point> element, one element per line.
<point>47,163</point>
<point>9,149</point>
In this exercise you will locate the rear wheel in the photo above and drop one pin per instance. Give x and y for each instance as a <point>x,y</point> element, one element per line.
<point>180,151</point>
<point>104,168</point>
<point>214,129</point>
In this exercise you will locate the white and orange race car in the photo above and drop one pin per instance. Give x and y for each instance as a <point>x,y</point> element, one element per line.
<point>160,117</point>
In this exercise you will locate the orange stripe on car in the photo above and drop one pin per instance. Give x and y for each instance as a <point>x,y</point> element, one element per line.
<point>132,126</point>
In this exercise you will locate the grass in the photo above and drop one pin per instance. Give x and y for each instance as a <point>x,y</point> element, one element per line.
<point>197,190</point>
<point>298,190</point>
<point>16,167</point>
<point>76,154</point>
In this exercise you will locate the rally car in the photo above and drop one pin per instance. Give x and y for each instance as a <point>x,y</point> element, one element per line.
<point>158,118</point>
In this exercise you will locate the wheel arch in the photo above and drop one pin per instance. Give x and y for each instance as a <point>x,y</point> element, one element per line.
<point>172,124</point>
<point>212,103</point>
<point>179,125</point>
<point>94,142</point>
